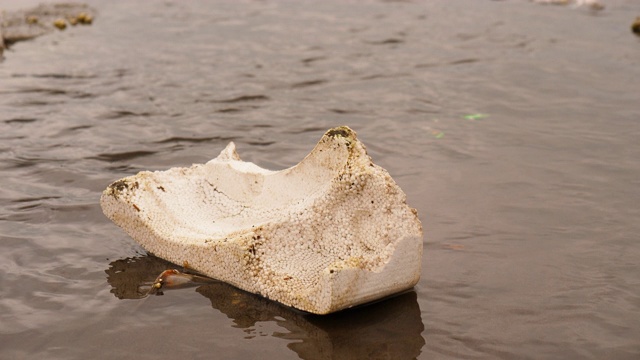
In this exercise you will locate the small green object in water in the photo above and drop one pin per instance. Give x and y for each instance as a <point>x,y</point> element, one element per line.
<point>437,134</point>
<point>475,116</point>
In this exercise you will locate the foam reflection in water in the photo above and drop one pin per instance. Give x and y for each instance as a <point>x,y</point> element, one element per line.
<point>388,329</point>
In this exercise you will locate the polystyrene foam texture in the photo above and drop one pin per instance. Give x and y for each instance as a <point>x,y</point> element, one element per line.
<point>330,233</point>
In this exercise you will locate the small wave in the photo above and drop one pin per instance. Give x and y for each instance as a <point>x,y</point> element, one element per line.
<point>176,139</point>
<point>343,111</point>
<point>261,143</point>
<point>20,121</point>
<point>308,83</point>
<point>310,60</point>
<point>56,76</point>
<point>389,41</point>
<point>242,98</point>
<point>306,130</point>
<point>122,114</point>
<point>128,155</point>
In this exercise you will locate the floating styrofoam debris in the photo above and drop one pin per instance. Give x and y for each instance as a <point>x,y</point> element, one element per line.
<point>332,232</point>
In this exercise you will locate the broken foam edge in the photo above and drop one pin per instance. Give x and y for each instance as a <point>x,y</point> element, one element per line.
<point>346,288</point>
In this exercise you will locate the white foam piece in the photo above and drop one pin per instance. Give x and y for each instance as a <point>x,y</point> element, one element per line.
<point>332,232</point>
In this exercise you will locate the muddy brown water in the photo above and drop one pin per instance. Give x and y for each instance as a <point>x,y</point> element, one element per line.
<point>530,208</point>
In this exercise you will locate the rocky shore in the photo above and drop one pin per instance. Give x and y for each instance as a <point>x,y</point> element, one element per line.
<point>27,24</point>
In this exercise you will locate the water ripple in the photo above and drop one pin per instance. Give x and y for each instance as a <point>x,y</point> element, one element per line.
<point>243,98</point>
<point>122,156</point>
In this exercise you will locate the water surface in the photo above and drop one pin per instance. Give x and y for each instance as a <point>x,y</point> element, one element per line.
<point>530,207</point>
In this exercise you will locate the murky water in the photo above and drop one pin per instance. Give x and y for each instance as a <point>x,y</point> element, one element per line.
<point>530,208</point>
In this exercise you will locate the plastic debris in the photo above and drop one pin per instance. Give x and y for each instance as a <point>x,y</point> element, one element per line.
<point>330,233</point>
<point>437,134</point>
<point>475,116</point>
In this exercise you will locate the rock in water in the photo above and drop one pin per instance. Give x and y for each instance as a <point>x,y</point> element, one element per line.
<point>28,24</point>
<point>635,26</point>
<point>332,232</point>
